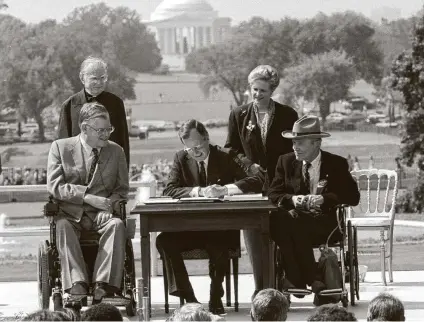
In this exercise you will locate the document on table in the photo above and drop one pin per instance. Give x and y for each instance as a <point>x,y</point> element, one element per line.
<point>200,199</point>
<point>159,201</point>
<point>246,197</point>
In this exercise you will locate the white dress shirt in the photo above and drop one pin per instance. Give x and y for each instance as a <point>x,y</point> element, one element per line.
<point>88,155</point>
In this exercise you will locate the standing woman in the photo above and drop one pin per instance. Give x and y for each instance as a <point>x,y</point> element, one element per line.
<point>254,134</point>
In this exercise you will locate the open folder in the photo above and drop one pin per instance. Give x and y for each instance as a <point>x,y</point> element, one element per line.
<point>246,197</point>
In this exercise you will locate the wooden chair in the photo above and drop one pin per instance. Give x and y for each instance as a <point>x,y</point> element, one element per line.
<point>234,255</point>
<point>375,215</point>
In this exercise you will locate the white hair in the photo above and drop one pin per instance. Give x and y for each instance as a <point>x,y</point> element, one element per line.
<point>89,61</point>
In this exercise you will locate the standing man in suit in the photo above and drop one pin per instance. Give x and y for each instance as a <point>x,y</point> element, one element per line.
<point>202,169</point>
<point>88,176</point>
<point>307,185</point>
<point>93,75</point>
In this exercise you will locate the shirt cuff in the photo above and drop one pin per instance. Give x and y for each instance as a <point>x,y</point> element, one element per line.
<point>194,193</point>
<point>232,189</point>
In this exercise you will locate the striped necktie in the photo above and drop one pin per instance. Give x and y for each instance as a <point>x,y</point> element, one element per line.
<point>93,165</point>
<point>306,177</point>
<point>202,173</point>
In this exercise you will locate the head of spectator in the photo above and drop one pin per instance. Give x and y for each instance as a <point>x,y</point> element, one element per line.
<point>306,136</point>
<point>386,307</point>
<point>93,75</point>
<point>47,315</point>
<point>102,312</point>
<point>191,312</point>
<point>331,312</point>
<point>263,80</point>
<point>269,305</point>
<point>95,124</point>
<point>195,137</point>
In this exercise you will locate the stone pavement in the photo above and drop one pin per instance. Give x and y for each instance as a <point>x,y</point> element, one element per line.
<point>408,286</point>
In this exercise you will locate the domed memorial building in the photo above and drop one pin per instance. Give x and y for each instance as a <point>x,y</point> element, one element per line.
<point>182,26</point>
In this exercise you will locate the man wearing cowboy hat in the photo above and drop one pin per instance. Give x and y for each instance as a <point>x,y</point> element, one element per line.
<point>308,183</point>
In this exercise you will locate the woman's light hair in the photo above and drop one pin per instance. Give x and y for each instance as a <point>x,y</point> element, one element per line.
<point>265,73</point>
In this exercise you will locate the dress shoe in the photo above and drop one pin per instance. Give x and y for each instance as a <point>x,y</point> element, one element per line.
<point>79,288</point>
<point>317,286</point>
<point>215,306</point>
<point>189,297</point>
<point>289,285</point>
<point>102,290</point>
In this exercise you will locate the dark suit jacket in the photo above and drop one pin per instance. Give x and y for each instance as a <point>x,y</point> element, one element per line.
<point>222,169</point>
<point>341,188</point>
<point>248,144</point>
<point>69,115</point>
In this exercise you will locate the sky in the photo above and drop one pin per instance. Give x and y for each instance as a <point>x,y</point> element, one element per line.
<point>238,10</point>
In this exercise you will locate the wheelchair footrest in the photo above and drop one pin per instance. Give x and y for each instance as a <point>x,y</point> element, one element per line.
<point>297,291</point>
<point>74,301</point>
<point>117,300</point>
<point>334,291</point>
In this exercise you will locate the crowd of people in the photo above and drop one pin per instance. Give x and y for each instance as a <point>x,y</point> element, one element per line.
<point>268,305</point>
<point>25,176</point>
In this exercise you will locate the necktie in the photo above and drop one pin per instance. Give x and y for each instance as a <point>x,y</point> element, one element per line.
<point>93,165</point>
<point>202,174</point>
<point>306,177</point>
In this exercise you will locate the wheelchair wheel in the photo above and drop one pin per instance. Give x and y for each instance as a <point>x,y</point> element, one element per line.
<point>44,288</point>
<point>356,260</point>
<point>352,268</point>
<point>129,279</point>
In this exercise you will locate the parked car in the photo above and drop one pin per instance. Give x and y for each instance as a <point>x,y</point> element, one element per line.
<point>139,131</point>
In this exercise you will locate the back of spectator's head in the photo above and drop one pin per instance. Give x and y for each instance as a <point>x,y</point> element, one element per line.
<point>332,312</point>
<point>46,315</point>
<point>102,312</point>
<point>269,305</point>
<point>191,312</point>
<point>385,307</point>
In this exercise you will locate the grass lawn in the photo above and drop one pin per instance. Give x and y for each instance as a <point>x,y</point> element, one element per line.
<point>406,257</point>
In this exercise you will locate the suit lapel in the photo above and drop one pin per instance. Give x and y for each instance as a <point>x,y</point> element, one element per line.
<point>324,170</point>
<point>78,157</point>
<point>213,170</point>
<point>104,157</point>
<point>194,170</point>
<point>297,179</point>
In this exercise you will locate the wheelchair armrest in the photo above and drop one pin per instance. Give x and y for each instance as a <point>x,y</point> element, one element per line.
<point>51,208</point>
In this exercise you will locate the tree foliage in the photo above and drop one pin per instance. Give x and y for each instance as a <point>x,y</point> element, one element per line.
<point>322,79</point>
<point>349,32</point>
<point>408,78</point>
<point>40,63</point>
<point>257,41</point>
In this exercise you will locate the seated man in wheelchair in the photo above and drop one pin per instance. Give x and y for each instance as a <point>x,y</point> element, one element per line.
<point>88,177</point>
<point>308,184</point>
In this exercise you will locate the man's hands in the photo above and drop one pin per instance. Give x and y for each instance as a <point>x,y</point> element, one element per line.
<point>102,218</point>
<point>311,203</point>
<point>215,191</point>
<point>254,169</point>
<point>97,202</point>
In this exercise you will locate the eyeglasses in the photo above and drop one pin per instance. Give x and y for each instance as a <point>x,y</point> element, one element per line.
<point>195,148</point>
<point>102,78</point>
<point>107,130</point>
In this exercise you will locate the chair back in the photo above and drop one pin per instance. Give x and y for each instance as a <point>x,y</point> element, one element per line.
<point>376,189</point>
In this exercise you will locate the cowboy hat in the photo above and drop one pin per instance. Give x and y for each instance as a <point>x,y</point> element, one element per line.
<point>307,127</point>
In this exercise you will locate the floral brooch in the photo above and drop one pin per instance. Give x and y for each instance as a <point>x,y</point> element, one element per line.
<point>250,126</point>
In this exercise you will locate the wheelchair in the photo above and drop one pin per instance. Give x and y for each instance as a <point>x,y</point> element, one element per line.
<point>49,271</point>
<point>347,259</point>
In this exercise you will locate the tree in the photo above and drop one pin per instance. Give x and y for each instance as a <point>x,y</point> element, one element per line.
<point>322,78</point>
<point>34,74</point>
<point>3,5</point>
<point>119,32</point>
<point>349,32</point>
<point>393,37</point>
<point>408,78</point>
<point>257,41</point>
